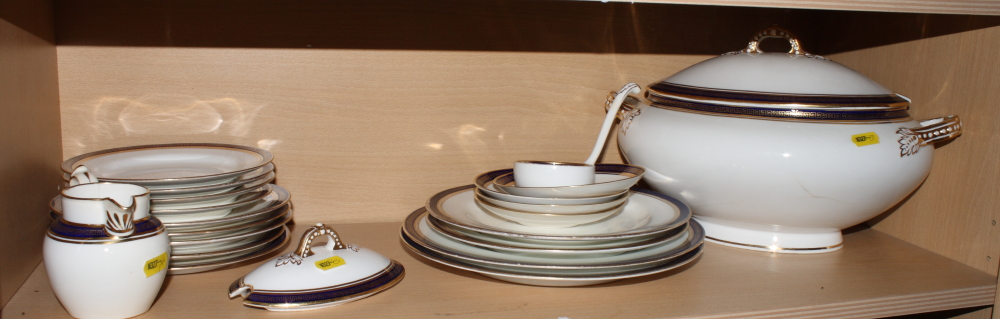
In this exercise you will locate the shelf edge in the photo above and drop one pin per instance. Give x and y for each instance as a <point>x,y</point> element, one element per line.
<point>901,6</point>
<point>881,307</point>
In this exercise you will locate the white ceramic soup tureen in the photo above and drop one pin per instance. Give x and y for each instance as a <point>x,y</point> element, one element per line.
<point>779,151</point>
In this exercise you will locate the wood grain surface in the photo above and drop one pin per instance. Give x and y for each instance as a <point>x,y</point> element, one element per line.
<point>955,211</point>
<point>358,136</point>
<point>29,137</point>
<point>875,275</point>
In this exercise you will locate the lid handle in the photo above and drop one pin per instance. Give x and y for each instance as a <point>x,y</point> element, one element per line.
<point>305,244</point>
<point>779,33</point>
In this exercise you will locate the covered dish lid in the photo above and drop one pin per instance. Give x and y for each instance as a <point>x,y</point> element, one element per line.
<point>316,277</point>
<point>796,85</point>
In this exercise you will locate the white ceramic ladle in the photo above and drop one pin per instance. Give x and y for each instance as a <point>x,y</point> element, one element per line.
<point>557,174</point>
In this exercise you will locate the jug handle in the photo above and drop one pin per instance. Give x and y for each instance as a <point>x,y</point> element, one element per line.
<point>930,131</point>
<point>82,175</point>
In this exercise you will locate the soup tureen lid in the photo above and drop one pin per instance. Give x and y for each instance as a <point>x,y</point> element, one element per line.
<point>796,84</point>
<point>316,277</point>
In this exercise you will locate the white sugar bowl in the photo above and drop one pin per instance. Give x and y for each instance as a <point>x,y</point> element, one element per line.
<point>317,277</point>
<point>779,151</point>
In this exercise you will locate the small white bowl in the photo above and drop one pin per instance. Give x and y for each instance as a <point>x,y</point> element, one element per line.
<point>553,174</point>
<point>552,209</point>
<point>549,220</point>
<point>484,182</point>
<point>610,179</point>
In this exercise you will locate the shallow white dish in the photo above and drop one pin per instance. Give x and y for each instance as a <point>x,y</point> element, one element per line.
<point>262,175</point>
<point>207,200</point>
<point>549,280</point>
<point>556,251</point>
<point>551,208</point>
<point>210,212</point>
<point>647,213</point>
<point>225,243</point>
<point>610,179</point>
<point>273,203</point>
<point>485,184</point>
<point>418,231</point>
<point>274,246</point>
<point>247,248</point>
<point>171,164</point>
<point>232,230</point>
<point>542,220</point>
<point>541,243</point>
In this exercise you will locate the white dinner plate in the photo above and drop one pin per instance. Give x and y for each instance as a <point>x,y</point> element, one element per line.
<point>171,164</point>
<point>207,200</point>
<point>274,202</point>
<point>262,175</point>
<point>647,214</point>
<point>538,243</point>
<point>249,247</point>
<point>517,247</point>
<point>417,230</point>
<point>224,243</point>
<point>191,269</point>
<point>210,212</point>
<point>232,230</point>
<point>550,280</point>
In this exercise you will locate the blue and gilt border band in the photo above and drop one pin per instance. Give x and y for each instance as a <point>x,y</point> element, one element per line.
<point>63,230</point>
<point>288,299</point>
<point>796,114</point>
<point>663,89</point>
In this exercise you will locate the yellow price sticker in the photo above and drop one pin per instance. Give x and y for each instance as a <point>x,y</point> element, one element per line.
<point>155,265</point>
<point>864,139</point>
<point>330,263</point>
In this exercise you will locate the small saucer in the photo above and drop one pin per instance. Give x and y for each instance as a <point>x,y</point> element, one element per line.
<point>609,179</point>
<point>485,184</point>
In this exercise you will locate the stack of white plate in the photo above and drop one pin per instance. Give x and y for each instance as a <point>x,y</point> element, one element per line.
<point>643,233</point>
<point>216,200</point>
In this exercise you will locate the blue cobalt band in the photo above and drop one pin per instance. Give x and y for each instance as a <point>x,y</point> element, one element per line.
<point>373,284</point>
<point>92,232</point>
<point>852,100</point>
<point>802,114</point>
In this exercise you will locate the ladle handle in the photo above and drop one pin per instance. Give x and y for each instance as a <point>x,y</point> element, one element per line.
<point>610,119</point>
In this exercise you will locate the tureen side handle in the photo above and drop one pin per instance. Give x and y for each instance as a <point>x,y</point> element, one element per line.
<point>627,106</point>
<point>305,244</point>
<point>930,131</point>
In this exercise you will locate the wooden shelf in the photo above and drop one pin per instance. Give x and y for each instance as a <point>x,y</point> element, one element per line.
<point>875,275</point>
<point>972,7</point>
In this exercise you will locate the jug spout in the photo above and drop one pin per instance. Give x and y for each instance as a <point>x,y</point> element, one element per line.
<point>117,207</point>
